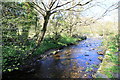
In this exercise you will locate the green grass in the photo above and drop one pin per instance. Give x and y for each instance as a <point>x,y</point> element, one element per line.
<point>50,44</point>
<point>112,58</point>
<point>14,55</point>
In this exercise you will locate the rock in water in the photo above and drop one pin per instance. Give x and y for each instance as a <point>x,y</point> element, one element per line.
<point>101,53</point>
<point>86,55</point>
<point>90,60</point>
<point>100,58</point>
<point>87,63</point>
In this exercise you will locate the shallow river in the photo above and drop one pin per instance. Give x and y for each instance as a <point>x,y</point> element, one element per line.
<point>76,61</point>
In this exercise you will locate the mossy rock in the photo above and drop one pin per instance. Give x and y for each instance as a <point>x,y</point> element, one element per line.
<point>100,58</point>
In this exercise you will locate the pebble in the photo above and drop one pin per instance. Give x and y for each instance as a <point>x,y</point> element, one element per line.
<point>87,63</point>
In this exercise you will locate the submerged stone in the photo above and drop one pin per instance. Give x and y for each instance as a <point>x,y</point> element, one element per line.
<point>86,55</point>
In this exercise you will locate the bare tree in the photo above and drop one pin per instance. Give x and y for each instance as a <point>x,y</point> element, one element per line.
<point>48,7</point>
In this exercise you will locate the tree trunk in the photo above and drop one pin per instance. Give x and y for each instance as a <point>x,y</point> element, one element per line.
<point>46,19</point>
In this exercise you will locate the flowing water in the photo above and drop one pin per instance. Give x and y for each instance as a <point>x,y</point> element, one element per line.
<point>76,61</point>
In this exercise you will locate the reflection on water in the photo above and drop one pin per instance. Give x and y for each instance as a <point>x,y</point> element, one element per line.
<point>72,62</point>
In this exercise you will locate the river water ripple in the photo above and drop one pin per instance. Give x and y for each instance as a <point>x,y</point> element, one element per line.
<point>76,61</point>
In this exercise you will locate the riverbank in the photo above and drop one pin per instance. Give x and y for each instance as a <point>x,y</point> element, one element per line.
<point>76,61</point>
<point>109,68</point>
<point>68,41</point>
<point>47,45</point>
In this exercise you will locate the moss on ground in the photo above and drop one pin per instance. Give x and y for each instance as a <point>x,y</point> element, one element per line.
<point>109,65</point>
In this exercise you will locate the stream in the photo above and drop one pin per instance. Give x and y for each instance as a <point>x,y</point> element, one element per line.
<point>76,61</point>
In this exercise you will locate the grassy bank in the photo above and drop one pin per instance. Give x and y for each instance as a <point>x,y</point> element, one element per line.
<point>51,43</point>
<point>109,68</point>
<point>14,56</point>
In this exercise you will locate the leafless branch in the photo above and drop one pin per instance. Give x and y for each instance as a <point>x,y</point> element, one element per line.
<point>52,3</point>
<point>104,14</point>
<point>85,3</point>
<point>62,5</point>
<point>70,8</point>
<point>44,6</point>
<point>39,11</point>
<point>38,6</point>
<point>108,10</point>
<point>79,5</point>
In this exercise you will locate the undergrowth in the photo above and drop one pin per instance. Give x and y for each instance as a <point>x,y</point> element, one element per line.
<point>14,54</point>
<point>112,57</point>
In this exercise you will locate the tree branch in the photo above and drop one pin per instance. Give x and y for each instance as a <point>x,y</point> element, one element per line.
<point>85,3</point>
<point>38,6</point>
<point>62,5</point>
<point>44,6</point>
<point>39,11</point>
<point>69,9</point>
<point>52,3</point>
<point>79,4</point>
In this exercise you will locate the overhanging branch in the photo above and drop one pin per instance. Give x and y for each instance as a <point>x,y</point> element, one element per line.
<point>38,6</point>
